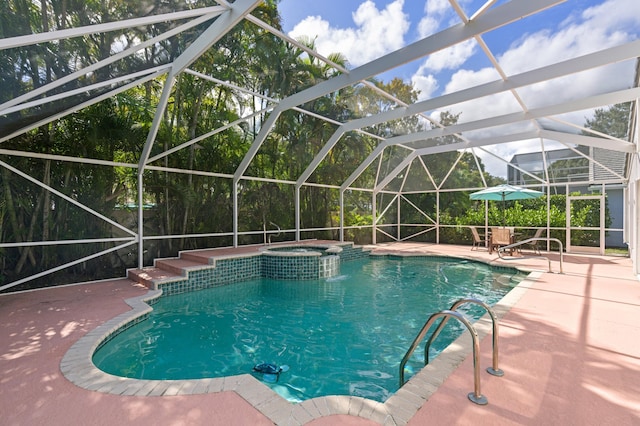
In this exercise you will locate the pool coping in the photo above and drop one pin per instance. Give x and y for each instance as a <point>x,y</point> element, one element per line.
<point>77,366</point>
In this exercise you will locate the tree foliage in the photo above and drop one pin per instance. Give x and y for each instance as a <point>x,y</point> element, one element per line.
<point>613,121</point>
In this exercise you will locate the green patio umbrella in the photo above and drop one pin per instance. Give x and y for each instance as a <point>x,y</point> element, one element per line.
<point>505,193</point>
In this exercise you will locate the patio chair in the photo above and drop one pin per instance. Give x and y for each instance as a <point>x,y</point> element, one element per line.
<point>499,237</point>
<point>478,240</point>
<point>535,245</point>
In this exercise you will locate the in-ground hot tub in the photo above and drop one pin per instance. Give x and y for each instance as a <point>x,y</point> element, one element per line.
<point>298,262</point>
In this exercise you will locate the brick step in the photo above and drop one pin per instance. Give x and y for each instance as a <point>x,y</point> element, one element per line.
<point>201,256</point>
<point>179,266</point>
<point>148,276</point>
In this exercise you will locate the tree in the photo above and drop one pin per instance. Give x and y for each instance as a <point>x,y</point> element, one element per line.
<point>613,121</point>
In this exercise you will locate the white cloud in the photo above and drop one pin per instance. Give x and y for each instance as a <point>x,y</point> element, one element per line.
<point>434,12</point>
<point>377,32</point>
<point>498,104</point>
<point>438,7</point>
<point>426,84</point>
<point>608,24</point>
<point>428,26</point>
<point>464,78</point>
<point>618,14</point>
<point>450,58</point>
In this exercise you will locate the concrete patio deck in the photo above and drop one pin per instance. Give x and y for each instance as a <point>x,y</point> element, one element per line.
<point>569,347</point>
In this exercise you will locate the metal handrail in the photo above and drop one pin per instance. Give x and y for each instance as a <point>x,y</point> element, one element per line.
<point>475,396</point>
<point>494,369</point>
<point>270,233</point>
<point>500,250</point>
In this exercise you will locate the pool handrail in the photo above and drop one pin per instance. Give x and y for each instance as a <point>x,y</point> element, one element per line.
<point>502,249</point>
<point>475,396</point>
<point>270,233</point>
<point>494,369</point>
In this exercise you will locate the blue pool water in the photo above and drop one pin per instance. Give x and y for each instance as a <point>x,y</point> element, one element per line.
<point>339,336</point>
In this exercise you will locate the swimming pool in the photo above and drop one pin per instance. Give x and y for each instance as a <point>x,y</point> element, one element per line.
<point>344,335</point>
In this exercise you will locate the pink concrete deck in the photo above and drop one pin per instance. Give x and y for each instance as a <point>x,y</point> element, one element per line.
<point>569,347</point>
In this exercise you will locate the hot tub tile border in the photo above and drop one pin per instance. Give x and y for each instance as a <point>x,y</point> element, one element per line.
<point>229,269</point>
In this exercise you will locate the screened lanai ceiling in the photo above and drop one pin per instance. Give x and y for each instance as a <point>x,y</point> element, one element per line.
<point>508,108</point>
<point>521,97</point>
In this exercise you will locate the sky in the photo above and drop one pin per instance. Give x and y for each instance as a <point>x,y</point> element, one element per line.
<point>363,30</point>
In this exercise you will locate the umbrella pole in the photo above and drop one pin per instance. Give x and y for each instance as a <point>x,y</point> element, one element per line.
<point>504,223</point>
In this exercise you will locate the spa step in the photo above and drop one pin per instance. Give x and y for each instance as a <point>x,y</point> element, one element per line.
<point>201,256</point>
<point>206,256</point>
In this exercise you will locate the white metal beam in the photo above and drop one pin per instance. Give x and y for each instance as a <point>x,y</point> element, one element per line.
<point>66,265</point>
<point>100,64</point>
<point>155,125</point>
<point>257,143</point>
<point>84,89</point>
<point>483,9</point>
<point>82,105</point>
<point>567,138</point>
<point>361,168</point>
<point>50,243</point>
<point>501,120</point>
<point>315,54</point>
<point>221,26</point>
<point>207,135</point>
<point>591,160</point>
<point>393,173</point>
<point>561,69</point>
<point>66,158</point>
<point>520,169</point>
<point>13,42</point>
<point>335,137</point>
<point>575,105</point>
<point>604,143</point>
<point>477,143</point>
<point>66,198</point>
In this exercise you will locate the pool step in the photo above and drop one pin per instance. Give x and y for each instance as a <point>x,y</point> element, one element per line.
<point>165,270</point>
<point>179,266</point>
<point>150,276</point>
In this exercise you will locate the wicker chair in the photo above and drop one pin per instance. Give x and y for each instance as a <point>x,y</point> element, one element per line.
<point>499,237</point>
<point>478,240</point>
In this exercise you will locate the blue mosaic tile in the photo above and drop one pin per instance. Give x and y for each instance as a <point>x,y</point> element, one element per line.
<point>301,266</point>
